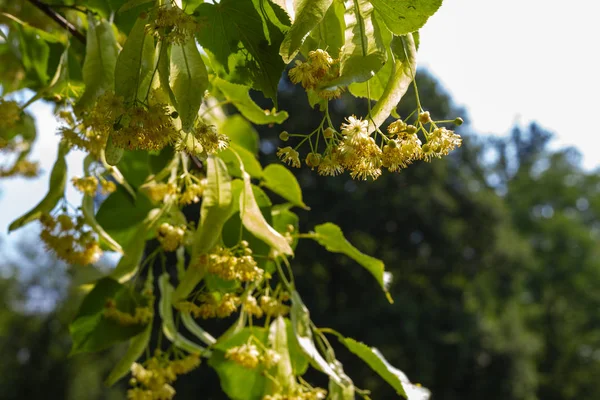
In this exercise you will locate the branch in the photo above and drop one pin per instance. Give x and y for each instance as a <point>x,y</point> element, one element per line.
<point>59,19</point>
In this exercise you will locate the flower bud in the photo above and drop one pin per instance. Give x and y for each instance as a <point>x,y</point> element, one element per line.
<point>458,121</point>
<point>411,129</point>
<point>328,133</point>
<point>313,160</point>
<point>174,115</point>
<point>284,136</point>
<point>424,117</point>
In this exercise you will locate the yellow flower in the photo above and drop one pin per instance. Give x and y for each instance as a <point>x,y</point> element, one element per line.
<point>359,153</point>
<point>170,237</point>
<point>331,164</point>
<point>440,142</point>
<point>10,114</point>
<point>246,355</point>
<point>354,126</point>
<point>399,153</point>
<point>303,73</point>
<point>71,240</point>
<point>289,156</point>
<point>86,185</point>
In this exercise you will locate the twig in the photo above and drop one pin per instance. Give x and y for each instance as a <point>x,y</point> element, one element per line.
<point>59,19</point>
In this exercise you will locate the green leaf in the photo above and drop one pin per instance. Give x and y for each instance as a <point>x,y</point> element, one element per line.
<point>228,26</point>
<point>403,73</point>
<point>332,238</point>
<point>375,360</point>
<point>282,181</point>
<point>255,222</point>
<point>297,356</point>
<point>237,382</point>
<point>282,371</point>
<point>136,349</point>
<point>189,80</point>
<point>249,162</point>
<point>166,314</point>
<point>402,17</point>
<point>100,61</point>
<point>364,52</point>
<point>241,132</point>
<point>135,167</point>
<point>239,96</point>
<point>214,212</point>
<point>329,33</point>
<point>309,14</point>
<point>120,215</point>
<point>303,332</point>
<point>135,63</point>
<point>91,331</point>
<point>56,191</point>
<point>377,84</point>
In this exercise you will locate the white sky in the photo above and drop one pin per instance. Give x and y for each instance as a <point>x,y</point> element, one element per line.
<point>519,61</point>
<point>506,61</point>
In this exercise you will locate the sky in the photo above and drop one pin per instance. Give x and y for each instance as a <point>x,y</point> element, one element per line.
<point>510,61</point>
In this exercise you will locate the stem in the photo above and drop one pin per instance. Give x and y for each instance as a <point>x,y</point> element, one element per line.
<point>59,19</point>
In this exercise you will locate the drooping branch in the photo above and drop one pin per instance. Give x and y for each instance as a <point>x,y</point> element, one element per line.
<point>59,19</point>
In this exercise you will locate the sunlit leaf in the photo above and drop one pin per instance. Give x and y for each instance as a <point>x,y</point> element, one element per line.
<point>363,53</point>
<point>228,26</point>
<point>239,96</point>
<point>255,222</point>
<point>403,73</point>
<point>100,61</point>
<point>135,63</point>
<point>189,80</point>
<point>280,180</point>
<point>402,17</point>
<point>332,238</point>
<point>308,15</point>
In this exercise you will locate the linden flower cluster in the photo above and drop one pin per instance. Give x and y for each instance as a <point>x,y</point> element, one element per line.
<point>234,264</point>
<point>203,138</point>
<point>144,128</point>
<point>89,185</point>
<point>24,168</point>
<point>137,127</point>
<point>303,393</point>
<point>356,151</point>
<point>173,25</point>
<point>170,237</point>
<point>249,356</point>
<point>69,239</point>
<point>317,70</point>
<point>90,133</point>
<point>211,307</point>
<point>141,315</point>
<point>192,193</point>
<point>10,115</point>
<point>153,380</point>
